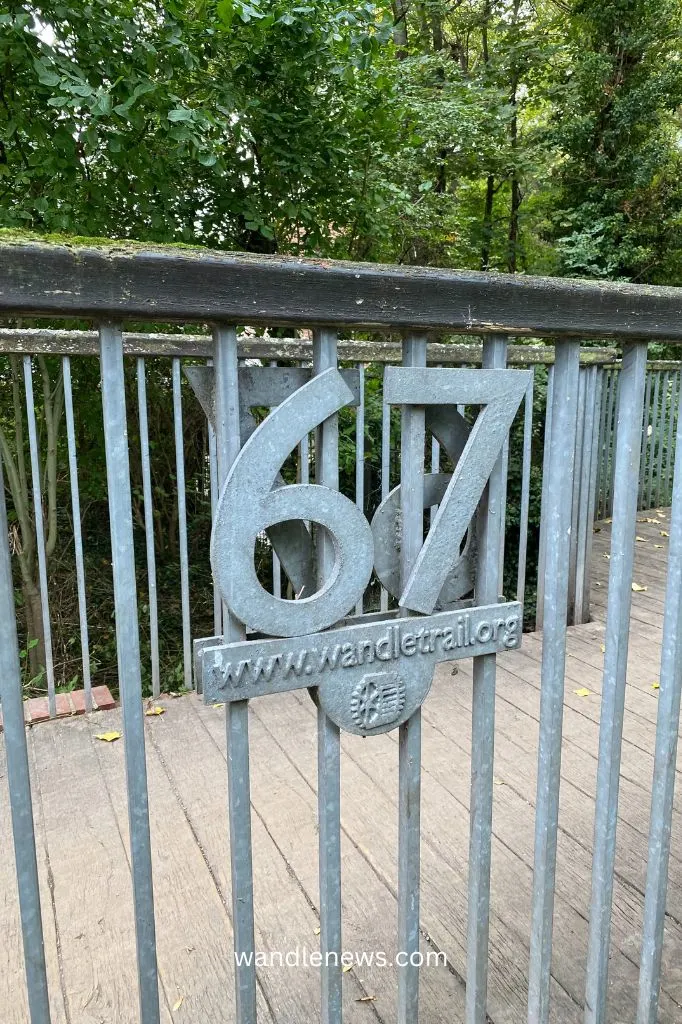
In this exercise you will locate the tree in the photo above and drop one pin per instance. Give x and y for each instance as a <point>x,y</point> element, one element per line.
<point>616,122</point>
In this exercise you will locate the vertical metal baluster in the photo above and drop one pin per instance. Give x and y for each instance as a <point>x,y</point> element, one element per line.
<point>77,531</point>
<point>576,496</point>
<point>557,512</point>
<point>584,531</point>
<point>18,779</point>
<point>40,534</point>
<point>525,490</point>
<point>654,434</point>
<point>503,514</point>
<point>328,734</point>
<point>665,761</point>
<point>182,524</point>
<point>276,566</point>
<point>645,443</point>
<point>632,382</point>
<point>592,501</point>
<point>304,456</point>
<point>542,546</point>
<point>148,524</point>
<point>360,458</point>
<point>613,420</point>
<point>662,435</point>
<point>609,442</point>
<point>601,483</point>
<point>236,712</point>
<point>435,468</point>
<point>385,472</point>
<point>671,437</point>
<point>128,651</point>
<point>213,479</point>
<point>490,525</point>
<point>409,744</point>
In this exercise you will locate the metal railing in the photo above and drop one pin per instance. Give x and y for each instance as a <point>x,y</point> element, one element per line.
<point>592,486</point>
<point>114,285</point>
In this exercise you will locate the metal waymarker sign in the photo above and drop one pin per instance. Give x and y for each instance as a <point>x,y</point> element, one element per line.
<point>373,672</point>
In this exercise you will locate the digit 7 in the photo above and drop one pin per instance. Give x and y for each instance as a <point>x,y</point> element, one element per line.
<point>500,392</point>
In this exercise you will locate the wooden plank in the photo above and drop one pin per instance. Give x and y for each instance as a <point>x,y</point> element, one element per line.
<point>13,998</point>
<point>199,786</point>
<point>446,754</point>
<point>90,876</point>
<point>285,799</point>
<point>158,283</point>
<point>369,801</point>
<point>194,933</point>
<point>48,341</point>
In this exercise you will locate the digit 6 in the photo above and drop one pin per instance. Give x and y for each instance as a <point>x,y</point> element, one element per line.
<point>248,505</point>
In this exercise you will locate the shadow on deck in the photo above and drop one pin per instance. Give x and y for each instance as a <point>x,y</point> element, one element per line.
<point>80,810</point>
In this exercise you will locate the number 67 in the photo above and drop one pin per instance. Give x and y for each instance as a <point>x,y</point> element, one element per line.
<point>249,503</point>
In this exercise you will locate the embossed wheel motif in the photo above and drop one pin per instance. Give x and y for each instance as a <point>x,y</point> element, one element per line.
<point>377,700</point>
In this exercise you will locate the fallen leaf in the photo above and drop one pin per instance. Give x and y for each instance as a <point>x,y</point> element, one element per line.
<point>659,546</point>
<point>641,540</point>
<point>608,520</point>
<point>365,999</point>
<point>150,712</point>
<point>317,931</point>
<point>603,649</point>
<point>664,533</point>
<point>347,968</point>
<point>497,782</point>
<point>582,692</point>
<point>638,589</point>
<point>648,519</point>
<point>178,1004</point>
<point>655,686</point>
<point>108,737</point>
<point>597,583</point>
<point>606,555</point>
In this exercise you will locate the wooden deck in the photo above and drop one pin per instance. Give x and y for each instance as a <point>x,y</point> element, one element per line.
<point>80,810</point>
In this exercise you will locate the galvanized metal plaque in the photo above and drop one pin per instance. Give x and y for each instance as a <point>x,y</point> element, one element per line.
<point>371,676</point>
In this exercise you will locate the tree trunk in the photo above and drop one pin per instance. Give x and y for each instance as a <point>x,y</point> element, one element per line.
<point>488,222</point>
<point>34,626</point>
<point>513,236</point>
<point>400,28</point>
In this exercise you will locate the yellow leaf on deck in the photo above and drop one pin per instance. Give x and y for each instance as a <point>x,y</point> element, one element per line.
<point>606,555</point>
<point>178,1003</point>
<point>150,712</point>
<point>641,540</point>
<point>648,519</point>
<point>664,533</point>
<point>365,999</point>
<point>347,968</point>
<point>317,931</point>
<point>603,649</point>
<point>659,545</point>
<point>582,692</point>
<point>108,737</point>
<point>608,520</point>
<point>655,686</point>
<point>638,589</point>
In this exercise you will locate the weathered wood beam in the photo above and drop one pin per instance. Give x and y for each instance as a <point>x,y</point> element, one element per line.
<point>74,343</point>
<point>141,282</point>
